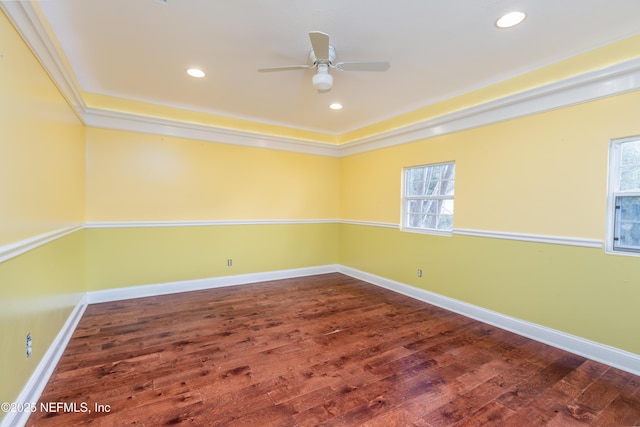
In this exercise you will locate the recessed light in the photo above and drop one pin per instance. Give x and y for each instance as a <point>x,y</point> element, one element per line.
<point>335,106</point>
<point>511,19</point>
<point>196,72</point>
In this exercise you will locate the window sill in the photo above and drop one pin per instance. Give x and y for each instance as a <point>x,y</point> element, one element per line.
<point>446,233</point>
<point>623,253</point>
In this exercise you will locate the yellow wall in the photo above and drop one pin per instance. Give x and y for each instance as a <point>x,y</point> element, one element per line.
<point>41,147</point>
<point>41,190</point>
<point>140,177</point>
<point>543,174</point>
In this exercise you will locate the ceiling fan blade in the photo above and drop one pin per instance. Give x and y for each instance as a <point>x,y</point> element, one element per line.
<point>285,68</point>
<point>363,66</point>
<point>320,45</point>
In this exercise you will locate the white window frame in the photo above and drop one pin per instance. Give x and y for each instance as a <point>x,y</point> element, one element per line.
<point>613,192</point>
<point>404,202</point>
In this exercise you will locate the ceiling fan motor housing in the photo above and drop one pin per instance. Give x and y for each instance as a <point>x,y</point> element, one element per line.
<point>317,61</point>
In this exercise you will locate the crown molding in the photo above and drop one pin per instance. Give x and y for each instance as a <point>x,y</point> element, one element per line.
<point>27,21</point>
<point>614,80</point>
<point>108,119</point>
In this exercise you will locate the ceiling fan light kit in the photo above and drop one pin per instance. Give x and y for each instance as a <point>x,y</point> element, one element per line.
<point>322,57</point>
<point>322,80</point>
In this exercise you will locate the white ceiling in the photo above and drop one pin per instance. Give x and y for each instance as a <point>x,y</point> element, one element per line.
<point>139,50</point>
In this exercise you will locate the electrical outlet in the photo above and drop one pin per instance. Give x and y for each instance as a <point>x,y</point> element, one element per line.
<point>29,345</point>
<point>419,272</point>
<point>229,262</point>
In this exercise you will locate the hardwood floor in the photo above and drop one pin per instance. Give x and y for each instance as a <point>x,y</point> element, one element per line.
<point>320,350</point>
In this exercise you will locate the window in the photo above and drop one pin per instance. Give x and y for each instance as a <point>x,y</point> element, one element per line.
<point>623,230</point>
<point>428,198</point>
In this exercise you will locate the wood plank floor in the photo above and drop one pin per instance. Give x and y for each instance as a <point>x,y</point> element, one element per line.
<point>321,350</point>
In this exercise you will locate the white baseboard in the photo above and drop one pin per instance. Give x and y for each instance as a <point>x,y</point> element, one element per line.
<point>200,284</point>
<point>40,377</point>
<point>624,360</point>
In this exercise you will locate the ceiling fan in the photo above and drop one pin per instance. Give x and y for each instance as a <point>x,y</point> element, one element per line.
<point>322,57</point>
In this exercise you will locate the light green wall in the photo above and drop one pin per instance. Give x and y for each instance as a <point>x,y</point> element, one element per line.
<point>39,290</point>
<point>118,257</point>
<point>576,290</point>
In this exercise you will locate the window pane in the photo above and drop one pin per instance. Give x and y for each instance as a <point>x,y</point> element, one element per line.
<point>630,166</point>
<point>630,178</point>
<point>430,221</point>
<point>422,221</point>
<point>434,172</point>
<point>429,196</point>
<point>450,171</point>
<point>630,153</point>
<point>415,207</point>
<point>445,222</point>
<point>415,220</point>
<point>628,222</point>
<point>417,174</point>
<point>435,206</point>
<point>447,207</point>
<point>447,187</point>
<point>416,188</point>
<point>432,189</point>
